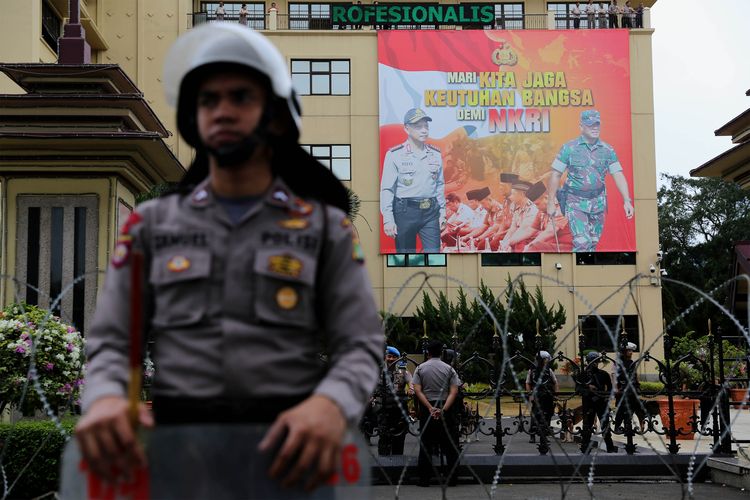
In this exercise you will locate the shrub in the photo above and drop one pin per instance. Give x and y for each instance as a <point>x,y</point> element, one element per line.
<point>651,387</point>
<point>58,357</point>
<point>38,444</point>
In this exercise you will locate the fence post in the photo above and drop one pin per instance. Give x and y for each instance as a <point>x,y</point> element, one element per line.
<point>671,431</point>
<point>724,426</point>
<point>499,447</point>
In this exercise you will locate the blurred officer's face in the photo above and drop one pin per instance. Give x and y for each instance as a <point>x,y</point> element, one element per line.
<point>591,132</point>
<point>230,106</point>
<point>390,358</point>
<point>517,196</point>
<point>418,132</point>
<point>474,204</point>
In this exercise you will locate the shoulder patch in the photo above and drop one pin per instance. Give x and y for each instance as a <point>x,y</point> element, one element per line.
<point>396,148</point>
<point>133,219</point>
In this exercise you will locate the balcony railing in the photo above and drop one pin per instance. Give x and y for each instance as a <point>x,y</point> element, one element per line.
<point>274,21</point>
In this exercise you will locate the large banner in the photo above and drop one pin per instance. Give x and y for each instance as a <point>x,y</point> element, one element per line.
<point>505,141</point>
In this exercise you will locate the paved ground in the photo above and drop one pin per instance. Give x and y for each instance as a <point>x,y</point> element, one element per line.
<point>601,491</point>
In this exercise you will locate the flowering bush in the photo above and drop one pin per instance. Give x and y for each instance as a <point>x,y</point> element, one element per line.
<point>58,356</point>
<point>568,368</point>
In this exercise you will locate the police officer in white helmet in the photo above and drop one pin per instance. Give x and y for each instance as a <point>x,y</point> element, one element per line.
<point>250,266</point>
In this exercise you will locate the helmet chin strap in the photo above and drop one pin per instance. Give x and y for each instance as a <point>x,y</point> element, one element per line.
<point>235,154</point>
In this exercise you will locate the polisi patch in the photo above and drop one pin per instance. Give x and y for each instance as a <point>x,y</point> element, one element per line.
<point>294,223</point>
<point>287,298</point>
<point>178,263</point>
<point>285,265</point>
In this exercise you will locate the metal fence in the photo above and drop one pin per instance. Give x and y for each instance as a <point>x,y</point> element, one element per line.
<point>684,407</point>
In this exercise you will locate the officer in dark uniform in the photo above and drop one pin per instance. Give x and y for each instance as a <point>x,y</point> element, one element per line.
<point>393,393</point>
<point>626,396</point>
<point>412,194</point>
<point>541,384</point>
<point>250,267</point>
<point>595,386</point>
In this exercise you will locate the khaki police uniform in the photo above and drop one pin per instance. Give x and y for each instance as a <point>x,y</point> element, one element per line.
<point>238,311</point>
<point>436,378</point>
<point>523,216</point>
<point>412,195</point>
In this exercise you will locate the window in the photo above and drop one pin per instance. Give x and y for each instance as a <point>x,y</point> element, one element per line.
<point>256,18</point>
<point>57,243</point>
<point>563,15</point>
<point>596,336</point>
<point>509,16</point>
<point>311,16</point>
<point>511,259</point>
<point>337,157</point>
<point>605,258</point>
<point>321,76</point>
<point>51,26</point>
<point>416,260</point>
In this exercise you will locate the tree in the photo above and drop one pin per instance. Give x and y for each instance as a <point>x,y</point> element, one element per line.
<point>475,329</point>
<point>699,221</point>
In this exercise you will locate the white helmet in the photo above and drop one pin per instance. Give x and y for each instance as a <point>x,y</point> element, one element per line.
<point>223,43</point>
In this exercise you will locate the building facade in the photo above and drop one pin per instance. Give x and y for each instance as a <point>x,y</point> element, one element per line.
<point>335,69</point>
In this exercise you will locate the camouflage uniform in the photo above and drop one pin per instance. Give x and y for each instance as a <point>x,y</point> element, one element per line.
<point>584,192</point>
<point>392,424</point>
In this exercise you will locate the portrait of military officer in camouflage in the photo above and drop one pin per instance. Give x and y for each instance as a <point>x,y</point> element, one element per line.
<point>583,197</point>
<point>412,194</point>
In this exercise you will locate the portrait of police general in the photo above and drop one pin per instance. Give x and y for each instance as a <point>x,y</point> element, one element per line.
<point>412,195</point>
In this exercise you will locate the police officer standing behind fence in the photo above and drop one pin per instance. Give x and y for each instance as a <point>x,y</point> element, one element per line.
<point>394,389</point>
<point>436,387</point>
<point>583,198</point>
<point>412,194</point>
<point>541,384</point>
<point>249,268</point>
<point>625,376</point>
<point>595,386</point>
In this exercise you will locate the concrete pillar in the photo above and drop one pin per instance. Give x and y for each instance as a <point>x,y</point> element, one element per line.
<point>550,20</point>
<point>647,18</point>
<point>273,20</point>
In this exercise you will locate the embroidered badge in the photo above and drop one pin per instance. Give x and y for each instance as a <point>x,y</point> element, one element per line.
<point>287,298</point>
<point>121,253</point>
<point>346,222</point>
<point>301,207</point>
<point>285,265</point>
<point>280,195</point>
<point>178,263</point>
<point>358,254</point>
<point>295,223</point>
<point>201,196</point>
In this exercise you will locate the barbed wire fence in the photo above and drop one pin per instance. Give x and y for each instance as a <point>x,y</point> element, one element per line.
<point>572,466</point>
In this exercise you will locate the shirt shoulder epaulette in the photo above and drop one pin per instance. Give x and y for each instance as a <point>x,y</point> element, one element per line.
<point>396,148</point>
<point>434,148</point>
